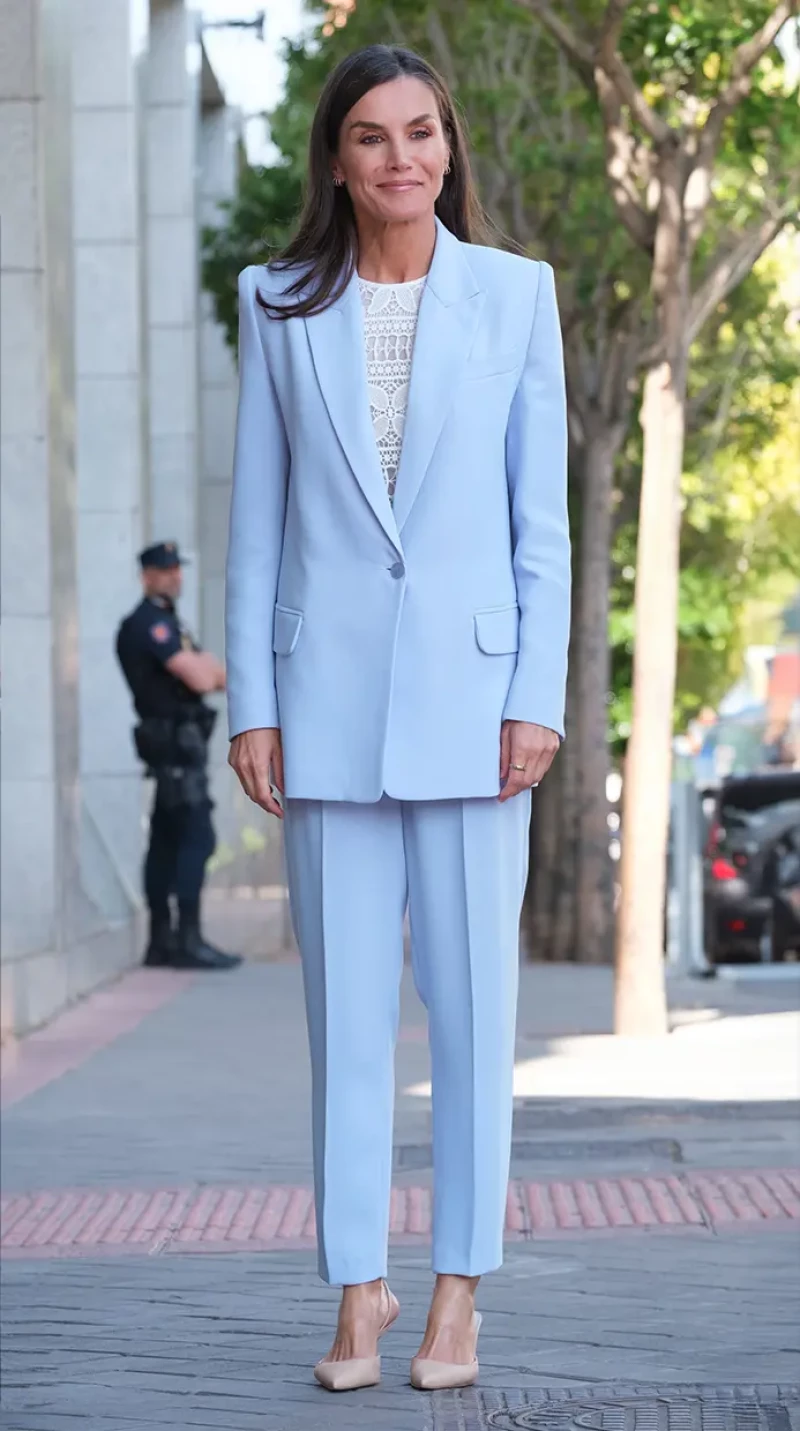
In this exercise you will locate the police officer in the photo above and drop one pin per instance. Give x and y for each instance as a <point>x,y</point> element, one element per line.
<point>169,675</point>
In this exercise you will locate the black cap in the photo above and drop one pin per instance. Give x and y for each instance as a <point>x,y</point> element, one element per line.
<point>162,555</point>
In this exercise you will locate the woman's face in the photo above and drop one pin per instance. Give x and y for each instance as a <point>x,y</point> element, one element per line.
<point>393,152</point>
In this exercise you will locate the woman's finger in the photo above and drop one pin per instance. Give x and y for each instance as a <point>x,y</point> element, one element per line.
<point>255,782</point>
<point>262,793</point>
<point>270,804</point>
<point>526,769</point>
<point>515,783</point>
<point>277,767</point>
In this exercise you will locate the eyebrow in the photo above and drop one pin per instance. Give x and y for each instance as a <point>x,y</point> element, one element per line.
<point>368,124</point>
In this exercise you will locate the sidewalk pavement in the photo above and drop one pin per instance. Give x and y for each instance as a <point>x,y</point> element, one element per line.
<point>653,1218</point>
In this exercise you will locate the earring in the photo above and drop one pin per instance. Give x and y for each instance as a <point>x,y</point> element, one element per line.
<point>337,181</point>
<point>447,167</point>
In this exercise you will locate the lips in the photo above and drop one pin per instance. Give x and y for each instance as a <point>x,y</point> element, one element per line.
<point>401,185</point>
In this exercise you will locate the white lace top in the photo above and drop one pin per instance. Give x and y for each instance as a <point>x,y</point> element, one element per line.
<point>390,323</point>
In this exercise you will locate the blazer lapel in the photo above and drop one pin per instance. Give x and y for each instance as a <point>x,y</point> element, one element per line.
<point>448,316</point>
<point>337,348</point>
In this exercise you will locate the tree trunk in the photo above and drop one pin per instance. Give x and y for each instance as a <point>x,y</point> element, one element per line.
<point>563,933</point>
<point>640,1003</point>
<point>595,890</point>
<point>550,901</point>
<point>545,871</point>
<point>569,907</point>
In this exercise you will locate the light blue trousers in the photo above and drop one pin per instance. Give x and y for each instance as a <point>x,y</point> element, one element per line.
<point>459,866</point>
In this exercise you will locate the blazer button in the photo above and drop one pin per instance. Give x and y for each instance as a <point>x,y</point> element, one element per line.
<point>397,570</point>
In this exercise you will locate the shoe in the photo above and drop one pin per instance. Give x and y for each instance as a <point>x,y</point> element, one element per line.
<point>229,961</point>
<point>427,1375</point>
<point>358,1371</point>
<point>193,952</point>
<point>203,958</point>
<point>162,944</point>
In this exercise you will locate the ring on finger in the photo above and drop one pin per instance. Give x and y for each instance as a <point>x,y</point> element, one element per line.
<point>517,767</point>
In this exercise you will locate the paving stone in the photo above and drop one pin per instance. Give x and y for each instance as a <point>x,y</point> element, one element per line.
<point>208,1092</point>
<point>193,1342</point>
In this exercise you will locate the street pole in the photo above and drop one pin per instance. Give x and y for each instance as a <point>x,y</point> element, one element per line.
<point>685,941</point>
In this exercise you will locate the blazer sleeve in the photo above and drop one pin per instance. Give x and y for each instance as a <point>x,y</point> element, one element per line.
<point>536,462</point>
<point>258,507</point>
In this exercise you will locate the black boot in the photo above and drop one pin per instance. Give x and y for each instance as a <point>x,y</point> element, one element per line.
<point>193,952</point>
<point>162,945</point>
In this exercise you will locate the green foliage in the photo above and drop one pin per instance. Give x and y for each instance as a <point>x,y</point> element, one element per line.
<point>740,543</point>
<point>259,222</point>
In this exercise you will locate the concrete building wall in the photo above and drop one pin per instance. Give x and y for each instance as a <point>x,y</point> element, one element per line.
<point>55,942</point>
<point>35,435</point>
<point>110,151</point>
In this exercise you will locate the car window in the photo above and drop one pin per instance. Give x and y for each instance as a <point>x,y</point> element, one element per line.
<point>771,812</point>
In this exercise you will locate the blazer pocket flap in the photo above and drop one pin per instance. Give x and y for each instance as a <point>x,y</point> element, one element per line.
<point>493,366</point>
<point>497,632</point>
<point>285,630</point>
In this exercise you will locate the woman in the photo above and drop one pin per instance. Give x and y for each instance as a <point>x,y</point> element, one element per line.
<point>397,615</point>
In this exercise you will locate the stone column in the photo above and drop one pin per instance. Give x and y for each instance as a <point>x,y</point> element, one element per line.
<point>172,109</point>
<point>39,607</point>
<point>249,851</point>
<point>108,41</point>
<point>219,157</point>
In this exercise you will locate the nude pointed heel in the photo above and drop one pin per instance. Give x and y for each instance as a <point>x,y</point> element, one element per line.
<point>427,1375</point>
<point>357,1371</point>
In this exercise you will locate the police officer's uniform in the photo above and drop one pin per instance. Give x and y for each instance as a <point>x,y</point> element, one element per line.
<point>172,739</point>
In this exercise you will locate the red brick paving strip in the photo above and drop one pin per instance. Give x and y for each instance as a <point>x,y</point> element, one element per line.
<point>83,1222</point>
<point>78,1033</point>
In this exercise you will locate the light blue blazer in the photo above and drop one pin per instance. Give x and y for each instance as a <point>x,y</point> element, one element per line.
<point>389,643</point>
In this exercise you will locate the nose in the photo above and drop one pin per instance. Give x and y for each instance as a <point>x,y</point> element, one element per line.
<point>398,158</point>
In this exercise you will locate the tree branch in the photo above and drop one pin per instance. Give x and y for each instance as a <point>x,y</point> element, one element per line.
<point>393,26</point>
<point>441,47</point>
<point>612,21</point>
<point>745,58</point>
<point>609,60</point>
<point>620,165</point>
<point>719,424</point>
<point>617,386</point>
<point>588,58</point>
<point>579,51</point>
<point>730,268</point>
<point>749,53</point>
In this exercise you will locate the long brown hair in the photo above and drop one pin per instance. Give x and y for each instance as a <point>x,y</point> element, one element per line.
<point>324,247</point>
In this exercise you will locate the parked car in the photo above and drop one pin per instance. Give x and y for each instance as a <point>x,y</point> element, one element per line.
<point>752,869</point>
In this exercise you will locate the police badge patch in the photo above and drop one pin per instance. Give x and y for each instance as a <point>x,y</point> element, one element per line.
<point>160,632</point>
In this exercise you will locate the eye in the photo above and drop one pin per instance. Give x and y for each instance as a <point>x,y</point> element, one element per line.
<point>371,138</point>
<point>421,134</point>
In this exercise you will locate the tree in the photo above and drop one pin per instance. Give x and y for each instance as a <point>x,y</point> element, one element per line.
<point>687,92</point>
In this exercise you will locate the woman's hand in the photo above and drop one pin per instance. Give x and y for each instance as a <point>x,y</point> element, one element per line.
<point>257,755</point>
<point>526,754</point>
